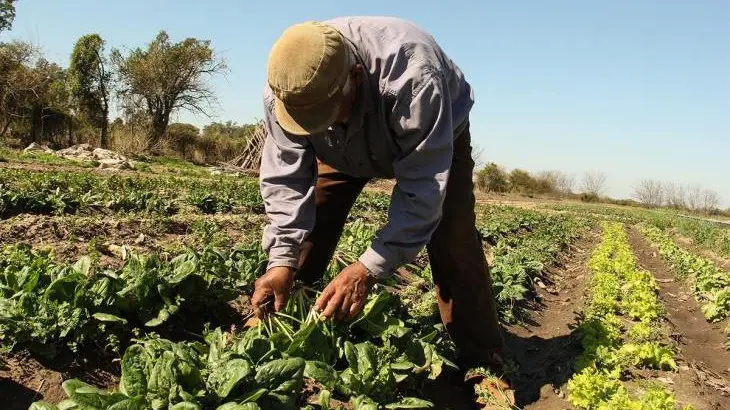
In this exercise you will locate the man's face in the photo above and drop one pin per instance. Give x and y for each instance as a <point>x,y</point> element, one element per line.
<point>350,92</point>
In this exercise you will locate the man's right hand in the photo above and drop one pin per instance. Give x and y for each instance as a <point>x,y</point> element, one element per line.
<point>277,284</point>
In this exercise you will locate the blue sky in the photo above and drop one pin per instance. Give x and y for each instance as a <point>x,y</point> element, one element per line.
<point>635,89</point>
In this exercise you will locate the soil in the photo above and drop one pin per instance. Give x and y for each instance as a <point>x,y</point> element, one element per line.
<point>704,363</point>
<point>545,350</point>
<point>72,237</point>
<point>26,379</point>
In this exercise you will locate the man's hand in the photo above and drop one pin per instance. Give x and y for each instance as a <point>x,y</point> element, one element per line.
<point>344,297</point>
<point>276,283</point>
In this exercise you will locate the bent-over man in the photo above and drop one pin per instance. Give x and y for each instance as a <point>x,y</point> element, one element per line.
<point>355,98</point>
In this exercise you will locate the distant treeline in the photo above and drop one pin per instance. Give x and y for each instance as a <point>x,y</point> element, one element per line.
<point>591,188</point>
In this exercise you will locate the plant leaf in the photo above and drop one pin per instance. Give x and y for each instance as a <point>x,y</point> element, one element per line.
<point>83,266</point>
<point>284,379</point>
<point>226,378</point>
<point>321,373</point>
<point>410,403</point>
<point>182,271</point>
<point>106,317</point>
<point>136,403</point>
<point>363,403</point>
<point>134,381</point>
<point>236,406</point>
<point>67,404</point>
<point>161,318</point>
<point>185,405</point>
<point>251,397</point>
<point>86,395</point>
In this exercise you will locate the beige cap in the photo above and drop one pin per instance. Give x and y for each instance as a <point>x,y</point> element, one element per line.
<point>308,67</point>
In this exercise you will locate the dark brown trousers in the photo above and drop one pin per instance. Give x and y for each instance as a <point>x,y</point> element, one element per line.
<point>460,272</point>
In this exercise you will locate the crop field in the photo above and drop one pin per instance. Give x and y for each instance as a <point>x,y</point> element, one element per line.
<point>128,290</point>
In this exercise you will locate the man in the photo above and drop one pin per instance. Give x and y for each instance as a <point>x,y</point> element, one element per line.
<point>355,98</point>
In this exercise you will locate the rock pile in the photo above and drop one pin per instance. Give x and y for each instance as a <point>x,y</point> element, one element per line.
<point>106,159</point>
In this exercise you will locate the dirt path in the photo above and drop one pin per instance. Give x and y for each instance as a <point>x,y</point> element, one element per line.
<point>546,349</point>
<point>704,363</point>
<point>26,379</point>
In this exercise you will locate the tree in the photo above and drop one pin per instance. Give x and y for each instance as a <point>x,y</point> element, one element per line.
<point>33,98</point>
<point>167,77</point>
<point>694,197</point>
<point>548,180</point>
<point>90,83</point>
<point>565,183</point>
<point>17,82</point>
<point>7,14</point>
<point>710,201</point>
<point>675,195</point>
<point>183,138</point>
<point>521,181</point>
<point>229,129</point>
<point>492,179</point>
<point>594,182</point>
<point>477,155</point>
<point>649,192</point>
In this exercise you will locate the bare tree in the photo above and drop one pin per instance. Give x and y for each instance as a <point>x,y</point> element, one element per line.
<point>694,197</point>
<point>650,192</point>
<point>594,182</point>
<point>565,183</point>
<point>675,195</point>
<point>477,155</point>
<point>549,179</point>
<point>710,201</point>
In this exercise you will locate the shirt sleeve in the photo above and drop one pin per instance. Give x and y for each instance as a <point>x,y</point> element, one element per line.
<point>287,180</point>
<point>424,132</point>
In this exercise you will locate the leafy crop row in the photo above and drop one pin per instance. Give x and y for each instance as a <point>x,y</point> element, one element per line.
<point>703,233</point>
<point>45,305</point>
<point>76,192</point>
<point>524,244</point>
<point>372,362</point>
<point>710,284</point>
<point>620,331</point>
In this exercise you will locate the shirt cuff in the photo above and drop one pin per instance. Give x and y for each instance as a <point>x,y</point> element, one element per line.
<point>287,256</point>
<point>380,263</point>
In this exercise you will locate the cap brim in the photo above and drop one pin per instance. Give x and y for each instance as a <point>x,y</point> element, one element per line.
<point>307,121</point>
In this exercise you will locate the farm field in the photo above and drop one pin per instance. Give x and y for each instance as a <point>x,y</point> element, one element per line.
<point>129,290</point>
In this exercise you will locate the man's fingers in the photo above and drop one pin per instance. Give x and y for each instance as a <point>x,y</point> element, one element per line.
<point>344,309</point>
<point>334,304</point>
<point>355,308</point>
<point>259,297</point>
<point>280,300</point>
<point>324,298</point>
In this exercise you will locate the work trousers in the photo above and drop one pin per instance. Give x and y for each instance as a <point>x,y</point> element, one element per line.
<point>460,271</point>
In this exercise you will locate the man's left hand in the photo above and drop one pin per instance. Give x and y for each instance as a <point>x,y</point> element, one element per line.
<point>344,297</point>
